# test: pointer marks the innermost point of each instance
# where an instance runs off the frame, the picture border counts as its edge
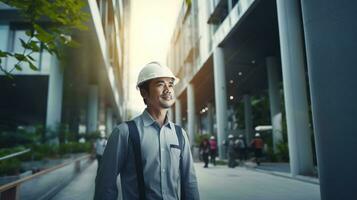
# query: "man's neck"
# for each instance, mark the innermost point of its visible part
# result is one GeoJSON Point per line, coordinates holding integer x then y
{"type": "Point", "coordinates": [158, 115]}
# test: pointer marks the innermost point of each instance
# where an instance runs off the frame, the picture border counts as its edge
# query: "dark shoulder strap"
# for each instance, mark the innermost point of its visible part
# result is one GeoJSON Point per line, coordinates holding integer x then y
{"type": "Point", "coordinates": [135, 141]}
{"type": "Point", "coordinates": [181, 141]}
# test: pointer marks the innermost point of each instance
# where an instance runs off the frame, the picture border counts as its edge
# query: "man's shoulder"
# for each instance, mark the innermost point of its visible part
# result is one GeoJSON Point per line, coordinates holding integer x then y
{"type": "Point", "coordinates": [121, 129]}
{"type": "Point", "coordinates": [174, 125]}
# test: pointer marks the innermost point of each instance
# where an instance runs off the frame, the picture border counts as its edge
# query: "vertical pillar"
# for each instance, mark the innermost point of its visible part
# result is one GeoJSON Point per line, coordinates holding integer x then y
{"type": "Point", "coordinates": [293, 67]}
{"type": "Point", "coordinates": [109, 121]}
{"type": "Point", "coordinates": [331, 45]}
{"type": "Point", "coordinates": [220, 97]}
{"type": "Point", "coordinates": [92, 111]}
{"type": "Point", "coordinates": [178, 118]}
{"type": "Point", "coordinates": [4, 34]}
{"type": "Point", "coordinates": [54, 98]}
{"type": "Point", "coordinates": [274, 100]}
{"type": "Point", "coordinates": [210, 118]}
{"type": "Point", "coordinates": [191, 115]}
{"type": "Point", "coordinates": [230, 6]}
{"type": "Point", "coordinates": [248, 118]}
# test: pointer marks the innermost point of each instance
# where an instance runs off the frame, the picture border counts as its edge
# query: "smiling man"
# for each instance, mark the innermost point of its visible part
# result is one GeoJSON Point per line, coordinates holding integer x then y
{"type": "Point", "coordinates": [151, 154]}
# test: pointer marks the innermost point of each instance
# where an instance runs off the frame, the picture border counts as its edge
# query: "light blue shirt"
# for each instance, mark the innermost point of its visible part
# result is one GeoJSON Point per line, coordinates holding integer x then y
{"type": "Point", "coordinates": [160, 159]}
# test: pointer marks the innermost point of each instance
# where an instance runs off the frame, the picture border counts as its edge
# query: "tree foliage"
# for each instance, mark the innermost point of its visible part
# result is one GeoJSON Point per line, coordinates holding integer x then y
{"type": "Point", "coordinates": [50, 26]}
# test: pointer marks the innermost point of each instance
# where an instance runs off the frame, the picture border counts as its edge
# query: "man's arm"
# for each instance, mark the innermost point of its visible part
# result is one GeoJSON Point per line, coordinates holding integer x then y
{"type": "Point", "coordinates": [189, 174]}
{"type": "Point", "coordinates": [113, 161]}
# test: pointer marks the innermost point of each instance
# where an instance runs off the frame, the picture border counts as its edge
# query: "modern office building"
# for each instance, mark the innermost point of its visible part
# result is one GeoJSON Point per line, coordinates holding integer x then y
{"type": "Point", "coordinates": [85, 90]}
{"type": "Point", "coordinates": [226, 51]}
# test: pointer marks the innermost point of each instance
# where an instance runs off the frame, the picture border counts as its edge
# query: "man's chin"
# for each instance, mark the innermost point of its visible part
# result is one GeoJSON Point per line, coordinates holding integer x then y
{"type": "Point", "coordinates": [167, 104]}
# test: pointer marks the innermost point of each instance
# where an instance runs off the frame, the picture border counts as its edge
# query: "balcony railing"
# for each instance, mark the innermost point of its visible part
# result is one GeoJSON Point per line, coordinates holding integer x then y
{"type": "Point", "coordinates": [219, 11]}
{"type": "Point", "coordinates": [11, 191]}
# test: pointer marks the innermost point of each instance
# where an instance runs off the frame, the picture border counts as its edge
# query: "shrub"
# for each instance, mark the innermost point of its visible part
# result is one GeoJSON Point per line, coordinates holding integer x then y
{"type": "Point", "coordinates": [74, 147]}
{"type": "Point", "coordinates": [283, 151]}
{"type": "Point", "coordinates": [9, 167]}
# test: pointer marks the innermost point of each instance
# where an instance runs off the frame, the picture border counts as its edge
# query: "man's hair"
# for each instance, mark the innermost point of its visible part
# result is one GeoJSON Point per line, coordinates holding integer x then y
{"type": "Point", "coordinates": [145, 86]}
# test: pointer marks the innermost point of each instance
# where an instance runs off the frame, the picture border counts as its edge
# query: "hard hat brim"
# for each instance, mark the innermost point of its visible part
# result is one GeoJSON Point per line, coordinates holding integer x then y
{"type": "Point", "coordinates": [176, 80]}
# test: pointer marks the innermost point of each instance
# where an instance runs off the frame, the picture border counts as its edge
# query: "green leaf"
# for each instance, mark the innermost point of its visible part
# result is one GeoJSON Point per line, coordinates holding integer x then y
{"type": "Point", "coordinates": [24, 44]}
{"type": "Point", "coordinates": [20, 57]}
{"type": "Point", "coordinates": [73, 44]}
{"type": "Point", "coordinates": [32, 66]}
{"type": "Point", "coordinates": [18, 67]}
{"type": "Point", "coordinates": [34, 46]}
{"type": "Point", "coordinates": [3, 54]}
{"type": "Point", "coordinates": [42, 35]}
{"type": "Point", "coordinates": [29, 33]}
{"type": "Point", "coordinates": [31, 58]}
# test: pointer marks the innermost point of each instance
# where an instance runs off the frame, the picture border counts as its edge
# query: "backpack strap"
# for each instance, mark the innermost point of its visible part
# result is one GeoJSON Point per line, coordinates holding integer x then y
{"type": "Point", "coordinates": [135, 141]}
{"type": "Point", "coordinates": [181, 145]}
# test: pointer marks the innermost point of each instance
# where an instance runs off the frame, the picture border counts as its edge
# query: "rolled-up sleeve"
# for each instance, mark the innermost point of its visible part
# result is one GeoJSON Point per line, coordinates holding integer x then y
{"type": "Point", "coordinates": [189, 174]}
{"type": "Point", "coordinates": [112, 163]}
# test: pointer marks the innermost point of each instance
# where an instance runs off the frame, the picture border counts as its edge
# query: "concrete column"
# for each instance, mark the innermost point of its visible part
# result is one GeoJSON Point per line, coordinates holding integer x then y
{"type": "Point", "coordinates": [178, 118]}
{"type": "Point", "coordinates": [220, 97]}
{"type": "Point", "coordinates": [191, 115]}
{"type": "Point", "coordinates": [92, 111]}
{"type": "Point", "coordinates": [109, 121]}
{"type": "Point", "coordinates": [55, 94]}
{"type": "Point", "coordinates": [4, 34]}
{"type": "Point", "coordinates": [331, 45]}
{"type": "Point", "coordinates": [274, 100]}
{"type": "Point", "coordinates": [210, 118]}
{"type": "Point", "coordinates": [229, 2]}
{"type": "Point", "coordinates": [248, 118]}
{"type": "Point", "coordinates": [293, 67]}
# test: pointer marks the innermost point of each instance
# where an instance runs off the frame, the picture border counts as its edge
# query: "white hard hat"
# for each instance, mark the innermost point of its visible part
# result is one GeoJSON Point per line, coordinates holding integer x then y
{"type": "Point", "coordinates": [257, 135]}
{"type": "Point", "coordinates": [212, 138]}
{"type": "Point", "coordinates": [155, 70]}
{"type": "Point", "coordinates": [230, 136]}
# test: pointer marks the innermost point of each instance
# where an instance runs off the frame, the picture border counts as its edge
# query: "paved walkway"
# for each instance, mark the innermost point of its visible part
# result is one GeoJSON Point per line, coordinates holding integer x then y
{"type": "Point", "coordinates": [241, 183]}
{"type": "Point", "coordinates": [216, 183]}
{"type": "Point", "coordinates": [81, 187]}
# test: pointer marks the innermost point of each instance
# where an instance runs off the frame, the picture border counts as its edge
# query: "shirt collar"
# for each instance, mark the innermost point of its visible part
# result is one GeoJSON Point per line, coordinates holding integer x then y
{"type": "Point", "coordinates": [148, 120]}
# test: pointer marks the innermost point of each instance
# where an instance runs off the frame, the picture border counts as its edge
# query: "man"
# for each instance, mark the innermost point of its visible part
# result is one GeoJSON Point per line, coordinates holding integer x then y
{"type": "Point", "coordinates": [164, 165]}
{"type": "Point", "coordinates": [258, 144]}
{"type": "Point", "coordinates": [100, 144]}
{"type": "Point", "coordinates": [242, 148]}
{"type": "Point", "coordinates": [213, 146]}
{"type": "Point", "coordinates": [231, 152]}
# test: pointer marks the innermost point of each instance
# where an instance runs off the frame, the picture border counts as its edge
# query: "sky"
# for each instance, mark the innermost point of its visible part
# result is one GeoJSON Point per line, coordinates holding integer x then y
{"type": "Point", "coordinates": [152, 25]}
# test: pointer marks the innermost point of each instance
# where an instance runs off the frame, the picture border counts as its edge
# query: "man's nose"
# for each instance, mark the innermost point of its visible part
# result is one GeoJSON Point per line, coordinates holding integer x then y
{"type": "Point", "coordinates": [166, 89]}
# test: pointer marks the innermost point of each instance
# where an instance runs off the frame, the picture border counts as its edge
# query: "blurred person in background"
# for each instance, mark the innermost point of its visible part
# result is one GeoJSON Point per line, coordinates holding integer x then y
{"type": "Point", "coordinates": [257, 144]}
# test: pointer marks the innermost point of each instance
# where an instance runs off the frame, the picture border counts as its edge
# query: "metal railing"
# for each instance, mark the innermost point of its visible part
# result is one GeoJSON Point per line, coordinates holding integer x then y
{"type": "Point", "coordinates": [15, 154]}
{"type": "Point", "coordinates": [10, 191]}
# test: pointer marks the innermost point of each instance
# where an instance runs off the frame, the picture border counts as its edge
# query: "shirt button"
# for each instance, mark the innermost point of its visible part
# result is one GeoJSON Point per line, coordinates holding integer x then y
{"type": "Point", "coordinates": [163, 170]}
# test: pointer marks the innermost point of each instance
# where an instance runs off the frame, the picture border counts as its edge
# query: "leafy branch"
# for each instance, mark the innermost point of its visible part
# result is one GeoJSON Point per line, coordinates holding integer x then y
{"type": "Point", "coordinates": [51, 24]}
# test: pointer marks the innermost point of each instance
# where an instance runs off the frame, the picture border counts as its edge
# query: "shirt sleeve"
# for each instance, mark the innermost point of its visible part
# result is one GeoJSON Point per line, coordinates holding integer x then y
{"type": "Point", "coordinates": [189, 174]}
{"type": "Point", "coordinates": [112, 163]}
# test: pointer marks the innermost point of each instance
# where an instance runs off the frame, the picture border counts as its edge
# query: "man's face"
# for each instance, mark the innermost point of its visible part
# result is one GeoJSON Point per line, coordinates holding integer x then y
{"type": "Point", "coordinates": [161, 93]}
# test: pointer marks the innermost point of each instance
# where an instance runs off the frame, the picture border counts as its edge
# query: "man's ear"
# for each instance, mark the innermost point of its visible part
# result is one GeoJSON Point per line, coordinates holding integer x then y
{"type": "Point", "coordinates": [144, 93]}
